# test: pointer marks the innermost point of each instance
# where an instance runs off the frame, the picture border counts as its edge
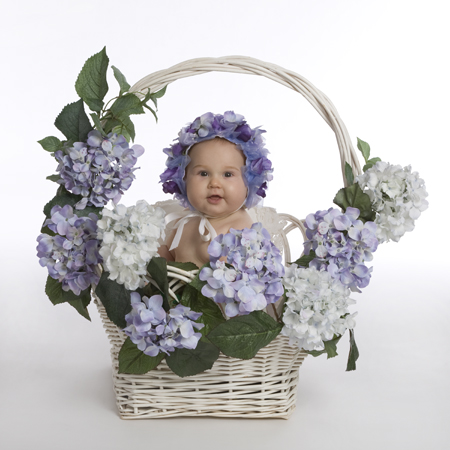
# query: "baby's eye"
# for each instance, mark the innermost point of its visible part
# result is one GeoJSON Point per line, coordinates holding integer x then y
{"type": "Point", "coordinates": [228, 174]}
{"type": "Point", "coordinates": [203, 173]}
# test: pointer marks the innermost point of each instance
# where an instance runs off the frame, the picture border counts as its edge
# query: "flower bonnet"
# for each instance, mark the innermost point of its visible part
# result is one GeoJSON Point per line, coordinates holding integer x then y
{"type": "Point", "coordinates": [232, 127]}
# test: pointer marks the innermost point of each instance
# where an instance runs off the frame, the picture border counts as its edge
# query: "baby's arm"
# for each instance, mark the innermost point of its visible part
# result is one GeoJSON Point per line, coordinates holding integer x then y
{"type": "Point", "coordinates": [164, 251]}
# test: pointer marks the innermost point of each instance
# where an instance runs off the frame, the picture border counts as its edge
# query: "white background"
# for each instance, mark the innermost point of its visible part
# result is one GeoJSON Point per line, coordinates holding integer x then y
{"type": "Point", "coordinates": [384, 65]}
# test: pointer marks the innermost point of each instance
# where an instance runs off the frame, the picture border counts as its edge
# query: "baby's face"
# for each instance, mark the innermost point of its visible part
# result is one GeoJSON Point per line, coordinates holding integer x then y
{"type": "Point", "coordinates": [214, 181]}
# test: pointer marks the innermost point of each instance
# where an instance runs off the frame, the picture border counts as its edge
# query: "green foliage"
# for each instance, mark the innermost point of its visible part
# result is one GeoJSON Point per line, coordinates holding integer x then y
{"type": "Point", "coordinates": [243, 336]}
{"type": "Point", "coordinates": [73, 122]}
{"type": "Point", "coordinates": [364, 147]}
{"type": "Point", "coordinates": [115, 298]}
{"type": "Point", "coordinates": [371, 162]}
{"type": "Point", "coordinates": [56, 294]}
{"type": "Point", "coordinates": [349, 174]}
{"type": "Point", "coordinates": [91, 84]}
{"type": "Point", "coordinates": [153, 97]}
{"type": "Point", "coordinates": [55, 178]}
{"type": "Point", "coordinates": [125, 127]}
{"type": "Point", "coordinates": [126, 105]}
{"type": "Point", "coordinates": [80, 305]}
{"type": "Point", "coordinates": [306, 259]}
{"type": "Point", "coordinates": [354, 196]}
{"type": "Point", "coordinates": [132, 360]}
{"type": "Point", "coordinates": [330, 348]}
{"type": "Point", "coordinates": [120, 77]}
{"type": "Point", "coordinates": [157, 268]}
{"type": "Point", "coordinates": [353, 354]}
{"type": "Point", "coordinates": [187, 266]}
{"type": "Point", "coordinates": [184, 362]}
{"type": "Point", "coordinates": [51, 144]}
{"type": "Point", "coordinates": [97, 123]}
{"type": "Point", "coordinates": [212, 315]}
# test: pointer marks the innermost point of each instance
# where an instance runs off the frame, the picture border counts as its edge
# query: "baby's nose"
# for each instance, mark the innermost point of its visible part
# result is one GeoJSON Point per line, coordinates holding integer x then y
{"type": "Point", "coordinates": [214, 181]}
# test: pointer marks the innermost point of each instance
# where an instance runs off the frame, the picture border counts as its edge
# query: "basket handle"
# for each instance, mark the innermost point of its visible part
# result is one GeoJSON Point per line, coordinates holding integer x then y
{"type": "Point", "coordinates": [251, 66]}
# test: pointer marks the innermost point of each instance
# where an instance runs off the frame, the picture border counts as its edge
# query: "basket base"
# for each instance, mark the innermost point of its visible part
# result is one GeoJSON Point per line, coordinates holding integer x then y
{"type": "Point", "coordinates": [262, 387]}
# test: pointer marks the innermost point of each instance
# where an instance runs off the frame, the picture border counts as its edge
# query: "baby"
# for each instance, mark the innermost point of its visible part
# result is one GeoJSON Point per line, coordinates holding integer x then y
{"type": "Point", "coordinates": [217, 168]}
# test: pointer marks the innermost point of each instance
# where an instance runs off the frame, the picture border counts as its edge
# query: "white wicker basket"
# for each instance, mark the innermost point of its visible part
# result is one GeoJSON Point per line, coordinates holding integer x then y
{"type": "Point", "coordinates": [262, 387]}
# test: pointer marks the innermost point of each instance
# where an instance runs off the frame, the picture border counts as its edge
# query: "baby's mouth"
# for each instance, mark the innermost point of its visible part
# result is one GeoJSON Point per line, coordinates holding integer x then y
{"type": "Point", "coordinates": [214, 199]}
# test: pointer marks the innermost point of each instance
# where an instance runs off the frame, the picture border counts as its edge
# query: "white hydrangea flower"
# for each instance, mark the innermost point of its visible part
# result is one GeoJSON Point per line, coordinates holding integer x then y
{"type": "Point", "coordinates": [129, 241]}
{"type": "Point", "coordinates": [314, 308]}
{"type": "Point", "coordinates": [398, 197]}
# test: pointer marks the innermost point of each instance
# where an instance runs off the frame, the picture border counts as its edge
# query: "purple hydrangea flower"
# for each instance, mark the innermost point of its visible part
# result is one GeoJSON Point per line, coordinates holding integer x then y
{"type": "Point", "coordinates": [251, 279]}
{"type": "Point", "coordinates": [154, 330]}
{"type": "Point", "coordinates": [100, 169]}
{"type": "Point", "coordinates": [232, 127]}
{"type": "Point", "coordinates": [342, 244]}
{"type": "Point", "coordinates": [71, 256]}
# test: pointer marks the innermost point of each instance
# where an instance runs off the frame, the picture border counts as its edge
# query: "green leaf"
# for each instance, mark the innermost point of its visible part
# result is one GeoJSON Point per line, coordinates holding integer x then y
{"type": "Point", "coordinates": [91, 84]}
{"type": "Point", "coordinates": [212, 315]}
{"type": "Point", "coordinates": [54, 178]}
{"type": "Point", "coordinates": [115, 298]}
{"type": "Point", "coordinates": [354, 196]}
{"type": "Point", "coordinates": [306, 259]}
{"type": "Point", "coordinates": [157, 95]}
{"type": "Point", "coordinates": [364, 147]}
{"type": "Point", "coordinates": [97, 123]}
{"type": "Point", "coordinates": [353, 354]}
{"type": "Point", "coordinates": [120, 77]}
{"type": "Point", "coordinates": [64, 197]}
{"type": "Point", "coordinates": [243, 336]}
{"type": "Point", "coordinates": [56, 294]}
{"type": "Point", "coordinates": [184, 362]}
{"type": "Point", "coordinates": [51, 143]}
{"type": "Point", "coordinates": [330, 348]}
{"type": "Point", "coordinates": [157, 268]}
{"type": "Point", "coordinates": [81, 306]}
{"type": "Point", "coordinates": [126, 105]}
{"type": "Point", "coordinates": [349, 174]}
{"type": "Point", "coordinates": [132, 360]}
{"type": "Point", "coordinates": [371, 163]}
{"type": "Point", "coordinates": [152, 111]}
{"type": "Point", "coordinates": [126, 128]}
{"type": "Point", "coordinates": [54, 291]}
{"type": "Point", "coordinates": [110, 124]}
{"type": "Point", "coordinates": [187, 266]}
{"type": "Point", "coordinates": [73, 122]}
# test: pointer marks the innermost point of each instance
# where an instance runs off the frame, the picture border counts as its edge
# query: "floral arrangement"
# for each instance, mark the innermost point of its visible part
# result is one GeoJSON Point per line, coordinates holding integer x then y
{"type": "Point", "coordinates": [254, 279]}
{"type": "Point", "coordinates": [87, 246]}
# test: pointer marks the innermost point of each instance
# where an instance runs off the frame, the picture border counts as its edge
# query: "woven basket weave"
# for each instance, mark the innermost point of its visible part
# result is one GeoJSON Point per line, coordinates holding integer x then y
{"type": "Point", "coordinates": [262, 387]}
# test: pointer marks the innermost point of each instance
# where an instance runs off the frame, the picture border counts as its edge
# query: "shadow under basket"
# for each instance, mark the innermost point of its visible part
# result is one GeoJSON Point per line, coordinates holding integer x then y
{"type": "Point", "coordinates": [262, 387]}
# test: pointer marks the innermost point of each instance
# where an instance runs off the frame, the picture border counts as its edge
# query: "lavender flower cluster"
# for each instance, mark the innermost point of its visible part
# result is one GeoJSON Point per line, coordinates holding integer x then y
{"type": "Point", "coordinates": [71, 256]}
{"type": "Point", "coordinates": [342, 244]}
{"type": "Point", "coordinates": [154, 330]}
{"type": "Point", "coordinates": [100, 169]}
{"type": "Point", "coordinates": [252, 278]}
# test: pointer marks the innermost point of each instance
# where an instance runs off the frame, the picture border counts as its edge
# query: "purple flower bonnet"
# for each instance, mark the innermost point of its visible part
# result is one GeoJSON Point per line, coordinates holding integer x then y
{"type": "Point", "coordinates": [232, 127]}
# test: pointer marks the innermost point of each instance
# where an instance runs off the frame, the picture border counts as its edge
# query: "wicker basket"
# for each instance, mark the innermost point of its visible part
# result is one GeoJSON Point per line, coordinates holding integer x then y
{"type": "Point", "coordinates": [265, 386]}
{"type": "Point", "coordinates": [262, 387]}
